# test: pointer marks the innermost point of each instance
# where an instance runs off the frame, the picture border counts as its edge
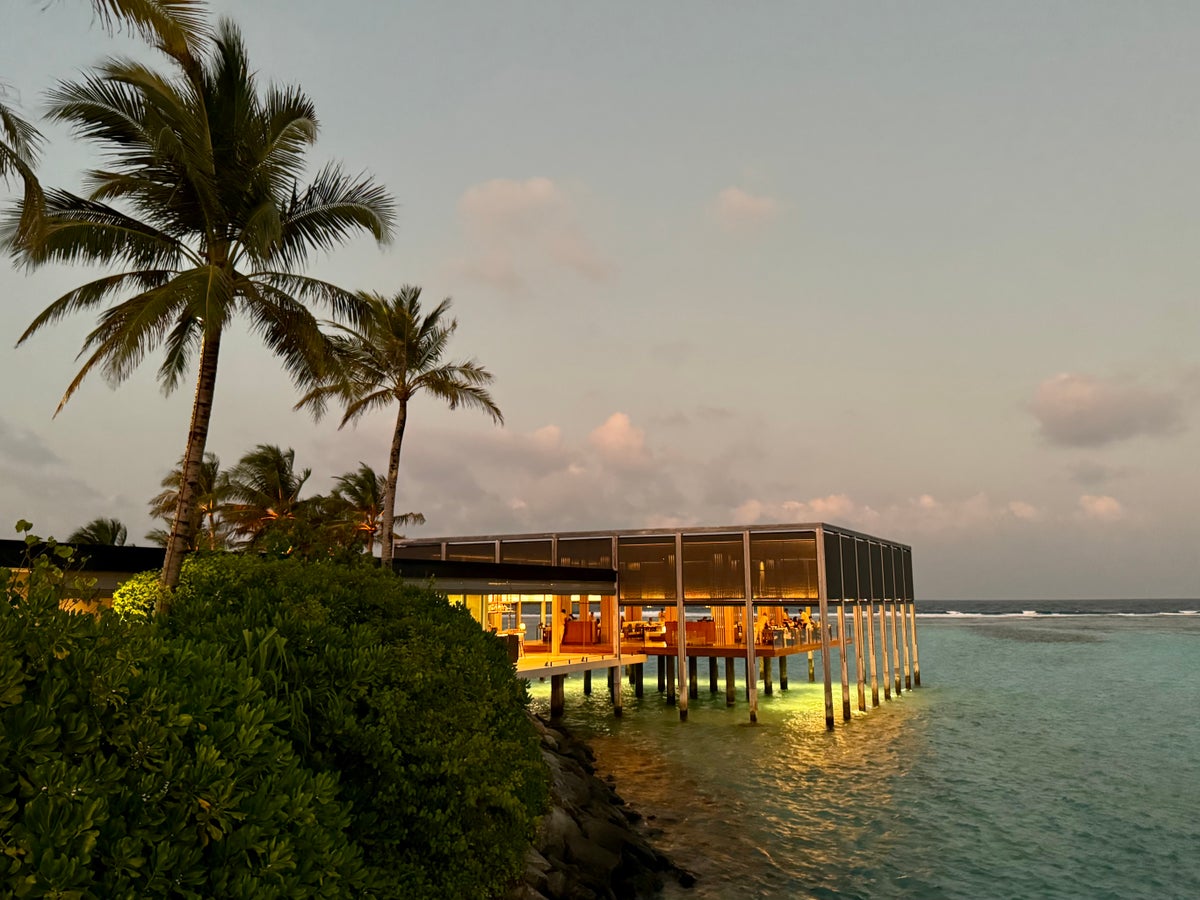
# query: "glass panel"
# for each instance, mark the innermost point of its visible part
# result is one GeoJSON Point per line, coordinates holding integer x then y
{"type": "Point", "coordinates": [850, 564]}
{"type": "Point", "coordinates": [866, 565]}
{"type": "Point", "coordinates": [784, 565]}
{"type": "Point", "coordinates": [712, 567]}
{"type": "Point", "coordinates": [481, 552]}
{"type": "Point", "coordinates": [833, 566]}
{"type": "Point", "coordinates": [536, 552]}
{"type": "Point", "coordinates": [590, 553]}
{"type": "Point", "coordinates": [419, 551]}
{"type": "Point", "coordinates": [646, 568]}
{"type": "Point", "coordinates": [908, 573]}
{"type": "Point", "coordinates": [881, 573]}
{"type": "Point", "coordinates": [893, 574]}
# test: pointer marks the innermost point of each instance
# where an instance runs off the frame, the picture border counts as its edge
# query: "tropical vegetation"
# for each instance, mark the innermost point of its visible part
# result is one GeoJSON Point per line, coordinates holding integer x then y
{"type": "Point", "coordinates": [393, 353]}
{"type": "Point", "coordinates": [107, 531]}
{"type": "Point", "coordinates": [202, 217]}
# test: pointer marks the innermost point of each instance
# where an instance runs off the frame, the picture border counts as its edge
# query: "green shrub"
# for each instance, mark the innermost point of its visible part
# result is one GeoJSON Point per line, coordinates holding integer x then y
{"type": "Point", "coordinates": [136, 598]}
{"type": "Point", "coordinates": [401, 694]}
{"type": "Point", "coordinates": [139, 764]}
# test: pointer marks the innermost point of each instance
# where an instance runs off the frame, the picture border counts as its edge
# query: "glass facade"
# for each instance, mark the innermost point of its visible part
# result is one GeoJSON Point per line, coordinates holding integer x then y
{"type": "Point", "coordinates": [713, 567]}
{"type": "Point", "coordinates": [784, 565]}
{"type": "Point", "coordinates": [484, 551]}
{"type": "Point", "coordinates": [535, 552]}
{"type": "Point", "coordinates": [419, 551]}
{"type": "Point", "coordinates": [590, 553]}
{"type": "Point", "coordinates": [833, 566]}
{"type": "Point", "coordinates": [646, 568]}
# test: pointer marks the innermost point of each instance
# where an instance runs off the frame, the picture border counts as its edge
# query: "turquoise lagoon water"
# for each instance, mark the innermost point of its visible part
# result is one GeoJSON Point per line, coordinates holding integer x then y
{"type": "Point", "coordinates": [1045, 756]}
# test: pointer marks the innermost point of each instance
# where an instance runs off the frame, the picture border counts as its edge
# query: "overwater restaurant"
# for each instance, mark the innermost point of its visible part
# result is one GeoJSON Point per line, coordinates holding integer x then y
{"type": "Point", "coordinates": [752, 598]}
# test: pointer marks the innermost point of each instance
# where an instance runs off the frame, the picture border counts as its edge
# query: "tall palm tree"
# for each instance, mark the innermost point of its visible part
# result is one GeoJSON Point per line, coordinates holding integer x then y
{"type": "Point", "coordinates": [203, 218]}
{"type": "Point", "coordinates": [359, 498]}
{"type": "Point", "coordinates": [264, 489]}
{"type": "Point", "coordinates": [20, 145]}
{"type": "Point", "coordinates": [208, 529]}
{"type": "Point", "coordinates": [110, 532]}
{"type": "Point", "coordinates": [390, 355]}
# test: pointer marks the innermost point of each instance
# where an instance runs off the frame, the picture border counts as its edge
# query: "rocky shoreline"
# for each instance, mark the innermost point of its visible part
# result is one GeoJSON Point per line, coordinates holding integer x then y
{"type": "Point", "coordinates": [591, 845]}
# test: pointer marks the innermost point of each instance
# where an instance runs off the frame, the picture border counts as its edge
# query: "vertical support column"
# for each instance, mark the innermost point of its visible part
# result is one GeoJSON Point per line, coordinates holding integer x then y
{"type": "Point", "coordinates": [912, 631]}
{"type": "Point", "coordinates": [783, 673]}
{"type": "Point", "coordinates": [668, 665]}
{"type": "Point", "coordinates": [768, 688]}
{"type": "Point", "coordinates": [713, 681]}
{"type": "Point", "coordinates": [639, 683]}
{"type": "Point", "coordinates": [895, 654]}
{"type": "Point", "coordinates": [557, 695]}
{"type": "Point", "coordinates": [885, 665]}
{"type": "Point", "coordinates": [693, 678]}
{"type": "Point", "coordinates": [617, 684]}
{"type": "Point", "coordinates": [660, 663]}
{"type": "Point", "coordinates": [587, 683]}
{"type": "Point", "coordinates": [860, 675]}
{"type": "Point", "coordinates": [823, 598]}
{"type": "Point", "coordinates": [730, 681]}
{"type": "Point", "coordinates": [842, 657]}
{"type": "Point", "coordinates": [681, 630]}
{"type": "Point", "coordinates": [812, 668]}
{"type": "Point", "coordinates": [748, 630]}
{"type": "Point", "coordinates": [870, 623]}
{"type": "Point", "coordinates": [904, 640]}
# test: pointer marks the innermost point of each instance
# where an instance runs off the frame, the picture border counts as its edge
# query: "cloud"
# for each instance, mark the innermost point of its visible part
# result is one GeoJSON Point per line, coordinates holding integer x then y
{"type": "Point", "coordinates": [1101, 508]}
{"type": "Point", "coordinates": [518, 229]}
{"type": "Point", "coordinates": [735, 209]}
{"type": "Point", "coordinates": [1090, 473]}
{"type": "Point", "coordinates": [33, 478]}
{"type": "Point", "coordinates": [619, 441]}
{"type": "Point", "coordinates": [1077, 410]}
{"type": "Point", "coordinates": [1024, 511]}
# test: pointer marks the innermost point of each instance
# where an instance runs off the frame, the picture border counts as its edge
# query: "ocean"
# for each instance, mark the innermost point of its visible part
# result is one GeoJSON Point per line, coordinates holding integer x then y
{"type": "Point", "coordinates": [1053, 751]}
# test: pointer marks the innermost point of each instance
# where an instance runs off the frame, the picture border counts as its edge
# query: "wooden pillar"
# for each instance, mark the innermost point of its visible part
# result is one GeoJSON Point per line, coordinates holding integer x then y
{"type": "Point", "coordinates": [669, 665]}
{"type": "Point", "coordinates": [730, 681]}
{"type": "Point", "coordinates": [885, 667]}
{"type": "Point", "coordinates": [639, 687]}
{"type": "Point", "coordinates": [903, 610]}
{"type": "Point", "coordinates": [895, 653]}
{"type": "Point", "coordinates": [681, 631]}
{"type": "Point", "coordinates": [824, 614]}
{"type": "Point", "coordinates": [693, 678]}
{"type": "Point", "coordinates": [768, 688]}
{"type": "Point", "coordinates": [557, 695]}
{"type": "Point", "coordinates": [661, 663]}
{"type": "Point", "coordinates": [844, 662]}
{"type": "Point", "coordinates": [783, 673]}
{"type": "Point", "coordinates": [859, 662]}
{"type": "Point", "coordinates": [870, 623]}
{"type": "Point", "coordinates": [587, 683]}
{"type": "Point", "coordinates": [714, 681]}
{"type": "Point", "coordinates": [912, 632]}
{"type": "Point", "coordinates": [748, 630]}
{"type": "Point", "coordinates": [615, 682]}
{"type": "Point", "coordinates": [812, 669]}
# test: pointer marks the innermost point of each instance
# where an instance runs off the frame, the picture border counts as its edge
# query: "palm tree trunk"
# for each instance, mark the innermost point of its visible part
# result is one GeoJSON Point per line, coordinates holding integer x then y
{"type": "Point", "coordinates": [189, 487]}
{"type": "Point", "coordinates": [389, 495]}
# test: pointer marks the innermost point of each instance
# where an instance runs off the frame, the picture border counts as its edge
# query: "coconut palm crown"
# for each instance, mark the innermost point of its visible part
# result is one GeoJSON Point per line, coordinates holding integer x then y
{"type": "Point", "coordinates": [359, 501]}
{"type": "Point", "coordinates": [201, 218]}
{"type": "Point", "coordinates": [393, 353]}
{"type": "Point", "coordinates": [109, 532]}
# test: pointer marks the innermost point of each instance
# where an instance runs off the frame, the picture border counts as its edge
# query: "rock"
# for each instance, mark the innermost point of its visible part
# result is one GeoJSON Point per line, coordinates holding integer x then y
{"type": "Point", "coordinates": [590, 844]}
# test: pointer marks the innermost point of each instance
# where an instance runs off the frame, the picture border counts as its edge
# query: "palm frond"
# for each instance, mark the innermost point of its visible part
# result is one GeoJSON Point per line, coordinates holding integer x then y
{"type": "Point", "coordinates": [325, 213]}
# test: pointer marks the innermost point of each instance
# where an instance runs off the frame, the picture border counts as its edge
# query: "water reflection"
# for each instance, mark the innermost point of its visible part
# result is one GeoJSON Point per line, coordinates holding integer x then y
{"type": "Point", "coordinates": [754, 810]}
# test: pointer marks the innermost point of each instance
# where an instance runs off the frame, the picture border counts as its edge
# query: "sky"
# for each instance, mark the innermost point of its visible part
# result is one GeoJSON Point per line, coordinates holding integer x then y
{"type": "Point", "coordinates": [928, 271]}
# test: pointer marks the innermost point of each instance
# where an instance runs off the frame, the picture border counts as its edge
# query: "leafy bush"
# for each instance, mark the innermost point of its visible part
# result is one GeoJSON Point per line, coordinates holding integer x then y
{"type": "Point", "coordinates": [136, 599]}
{"type": "Point", "coordinates": [402, 695]}
{"type": "Point", "coordinates": [137, 764]}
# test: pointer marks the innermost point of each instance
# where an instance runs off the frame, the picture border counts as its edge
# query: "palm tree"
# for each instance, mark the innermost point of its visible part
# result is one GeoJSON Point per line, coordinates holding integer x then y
{"type": "Point", "coordinates": [202, 217]}
{"type": "Point", "coordinates": [393, 354]}
{"type": "Point", "coordinates": [359, 498]}
{"type": "Point", "coordinates": [264, 489]}
{"type": "Point", "coordinates": [208, 529]}
{"type": "Point", "coordinates": [110, 532]}
{"type": "Point", "coordinates": [20, 145]}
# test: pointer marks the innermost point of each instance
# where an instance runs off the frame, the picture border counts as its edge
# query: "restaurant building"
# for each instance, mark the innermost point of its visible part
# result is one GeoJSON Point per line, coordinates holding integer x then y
{"type": "Point", "coordinates": [748, 597]}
